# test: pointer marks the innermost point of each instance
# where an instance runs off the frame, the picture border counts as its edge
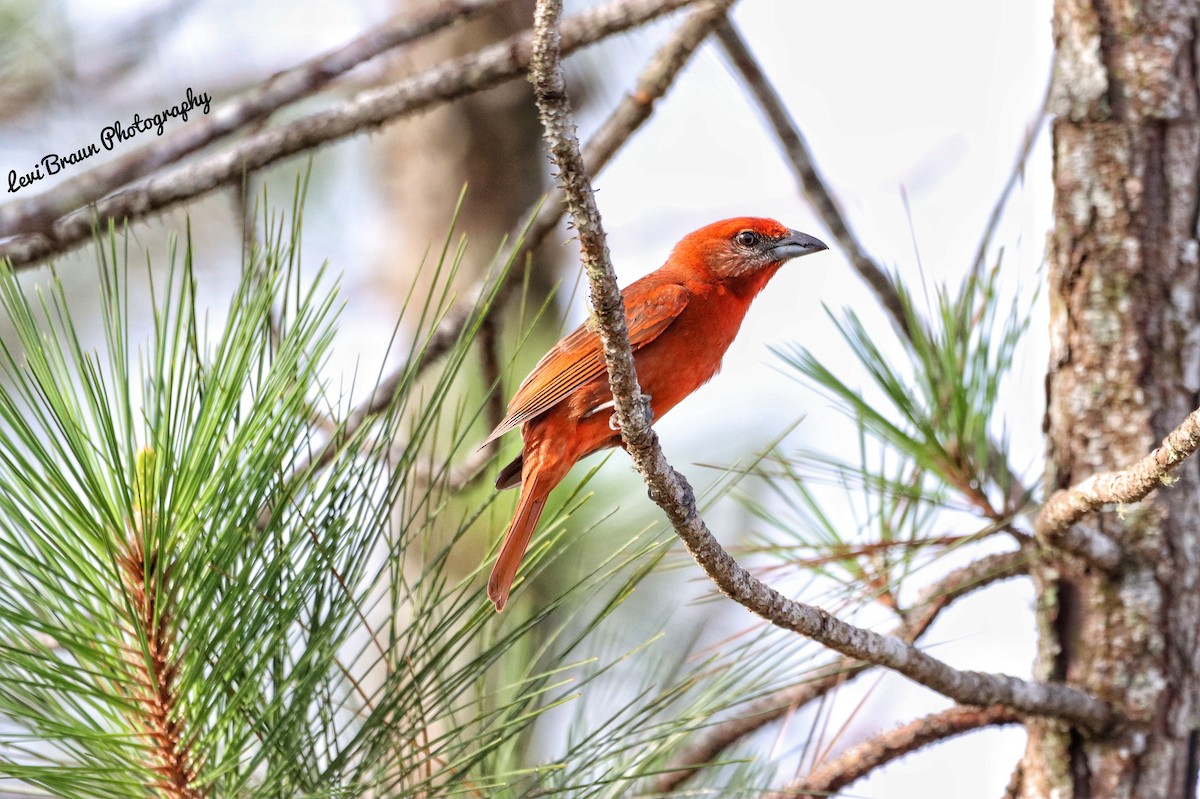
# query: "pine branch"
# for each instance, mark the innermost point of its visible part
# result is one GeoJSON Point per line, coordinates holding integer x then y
{"type": "Point", "coordinates": [36, 214]}
{"type": "Point", "coordinates": [859, 761]}
{"type": "Point", "coordinates": [448, 81]}
{"type": "Point", "coordinates": [709, 745]}
{"type": "Point", "coordinates": [154, 666]}
{"type": "Point", "coordinates": [1056, 522]}
{"type": "Point", "coordinates": [671, 491]}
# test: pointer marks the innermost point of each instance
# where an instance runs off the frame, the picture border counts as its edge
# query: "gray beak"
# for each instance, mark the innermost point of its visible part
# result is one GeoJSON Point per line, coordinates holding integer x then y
{"type": "Point", "coordinates": [796, 244]}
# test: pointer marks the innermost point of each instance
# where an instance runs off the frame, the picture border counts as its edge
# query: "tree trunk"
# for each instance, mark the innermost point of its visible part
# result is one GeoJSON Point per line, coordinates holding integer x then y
{"type": "Point", "coordinates": [490, 141]}
{"type": "Point", "coordinates": [1124, 371]}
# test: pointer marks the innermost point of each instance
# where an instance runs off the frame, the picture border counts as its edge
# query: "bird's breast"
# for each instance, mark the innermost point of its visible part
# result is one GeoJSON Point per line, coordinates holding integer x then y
{"type": "Point", "coordinates": [688, 354]}
{"type": "Point", "coordinates": [682, 358]}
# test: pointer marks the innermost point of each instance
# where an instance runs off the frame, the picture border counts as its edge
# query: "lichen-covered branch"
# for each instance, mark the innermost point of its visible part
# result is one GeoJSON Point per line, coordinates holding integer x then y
{"type": "Point", "coordinates": [859, 761]}
{"type": "Point", "coordinates": [671, 491]}
{"type": "Point", "coordinates": [35, 214]}
{"type": "Point", "coordinates": [1064, 508]}
{"type": "Point", "coordinates": [554, 110]}
{"type": "Point", "coordinates": [709, 744]}
{"type": "Point", "coordinates": [471, 73]}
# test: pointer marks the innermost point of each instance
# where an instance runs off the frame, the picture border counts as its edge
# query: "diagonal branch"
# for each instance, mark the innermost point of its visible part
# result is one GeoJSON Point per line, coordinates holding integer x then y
{"type": "Point", "coordinates": [714, 740]}
{"type": "Point", "coordinates": [36, 213]}
{"type": "Point", "coordinates": [812, 185]}
{"type": "Point", "coordinates": [1066, 507]}
{"type": "Point", "coordinates": [671, 491]}
{"type": "Point", "coordinates": [448, 81]}
{"type": "Point", "coordinates": [859, 761]}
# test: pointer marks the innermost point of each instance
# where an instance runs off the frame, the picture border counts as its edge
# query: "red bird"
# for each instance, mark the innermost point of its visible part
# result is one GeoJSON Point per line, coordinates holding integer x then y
{"type": "Point", "coordinates": [681, 320]}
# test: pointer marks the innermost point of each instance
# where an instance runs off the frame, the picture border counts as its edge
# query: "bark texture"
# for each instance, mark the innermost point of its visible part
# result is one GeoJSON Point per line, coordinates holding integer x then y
{"type": "Point", "coordinates": [1124, 371]}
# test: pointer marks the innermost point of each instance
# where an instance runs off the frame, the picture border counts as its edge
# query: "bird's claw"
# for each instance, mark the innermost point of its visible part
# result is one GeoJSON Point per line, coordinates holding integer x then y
{"type": "Point", "coordinates": [615, 426]}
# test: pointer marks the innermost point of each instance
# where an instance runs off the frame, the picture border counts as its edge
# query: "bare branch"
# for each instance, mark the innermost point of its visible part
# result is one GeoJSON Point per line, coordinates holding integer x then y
{"type": "Point", "coordinates": [933, 600]}
{"type": "Point", "coordinates": [1066, 507]}
{"type": "Point", "coordinates": [35, 214]}
{"type": "Point", "coordinates": [812, 185]}
{"type": "Point", "coordinates": [448, 81]}
{"type": "Point", "coordinates": [554, 109]}
{"type": "Point", "coordinates": [859, 761]}
{"type": "Point", "coordinates": [671, 491]}
{"type": "Point", "coordinates": [1018, 169]}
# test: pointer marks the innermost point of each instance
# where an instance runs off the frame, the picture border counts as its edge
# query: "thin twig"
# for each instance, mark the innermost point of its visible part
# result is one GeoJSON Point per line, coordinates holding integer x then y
{"type": "Point", "coordinates": [35, 214]}
{"type": "Point", "coordinates": [855, 763]}
{"type": "Point", "coordinates": [1066, 507]}
{"type": "Point", "coordinates": [671, 491]}
{"type": "Point", "coordinates": [450, 80]}
{"type": "Point", "coordinates": [812, 185]}
{"type": "Point", "coordinates": [466, 473]}
{"type": "Point", "coordinates": [489, 364]}
{"type": "Point", "coordinates": [1014, 175]}
{"type": "Point", "coordinates": [708, 746]}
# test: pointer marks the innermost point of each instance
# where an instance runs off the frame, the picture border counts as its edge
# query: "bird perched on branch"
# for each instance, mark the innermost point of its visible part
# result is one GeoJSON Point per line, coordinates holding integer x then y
{"type": "Point", "coordinates": [681, 320]}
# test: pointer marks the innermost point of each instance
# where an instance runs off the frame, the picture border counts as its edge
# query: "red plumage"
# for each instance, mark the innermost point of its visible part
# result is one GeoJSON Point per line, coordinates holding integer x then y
{"type": "Point", "coordinates": [682, 318]}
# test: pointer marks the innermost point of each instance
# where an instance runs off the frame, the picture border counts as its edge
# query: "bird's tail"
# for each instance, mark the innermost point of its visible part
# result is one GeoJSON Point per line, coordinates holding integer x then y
{"type": "Point", "coordinates": [529, 509]}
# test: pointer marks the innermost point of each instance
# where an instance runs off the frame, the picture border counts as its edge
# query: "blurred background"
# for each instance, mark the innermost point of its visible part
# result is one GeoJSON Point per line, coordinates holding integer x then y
{"type": "Point", "coordinates": [915, 113]}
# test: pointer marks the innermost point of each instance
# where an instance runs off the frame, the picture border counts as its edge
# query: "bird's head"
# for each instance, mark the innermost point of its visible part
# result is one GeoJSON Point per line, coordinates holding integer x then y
{"type": "Point", "coordinates": [743, 246]}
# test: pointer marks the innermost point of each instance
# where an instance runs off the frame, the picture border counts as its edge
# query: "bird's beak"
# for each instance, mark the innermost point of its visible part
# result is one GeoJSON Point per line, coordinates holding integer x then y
{"type": "Point", "coordinates": [795, 244]}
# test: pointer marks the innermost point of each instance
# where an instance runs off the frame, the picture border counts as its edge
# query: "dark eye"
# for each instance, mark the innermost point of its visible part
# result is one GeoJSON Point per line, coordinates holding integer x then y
{"type": "Point", "coordinates": [747, 238]}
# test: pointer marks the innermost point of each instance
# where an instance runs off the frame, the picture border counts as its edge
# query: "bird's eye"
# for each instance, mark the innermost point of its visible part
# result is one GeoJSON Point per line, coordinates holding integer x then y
{"type": "Point", "coordinates": [747, 238]}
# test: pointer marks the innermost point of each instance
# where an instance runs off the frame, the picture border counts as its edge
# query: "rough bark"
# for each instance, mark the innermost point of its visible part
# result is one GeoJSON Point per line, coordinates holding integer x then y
{"type": "Point", "coordinates": [1124, 371]}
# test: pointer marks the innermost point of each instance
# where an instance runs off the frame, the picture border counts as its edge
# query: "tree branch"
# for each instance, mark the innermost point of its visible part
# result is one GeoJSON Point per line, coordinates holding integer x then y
{"type": "Point", "coordinates": [933, 600]}
{"type": "Point", "coordinates": [35, 214]}
{"type": "Point", "coordinates": [554, 109]}
{"type": "Point", "coordinates": [859, 761]}
{"type": "Point", "coordinates": [671, 491]}
{"type": "Point", "coordinates": [1066, 507]}
{"type": "Point", "coordinates": [812, 185]}
{"type": "Point", "coordinates": [448, 81]}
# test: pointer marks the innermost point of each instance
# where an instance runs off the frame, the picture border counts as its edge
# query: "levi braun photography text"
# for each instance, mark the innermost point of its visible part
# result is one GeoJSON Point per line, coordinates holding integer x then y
{"type": "Point", "coordinates": [110, 136]}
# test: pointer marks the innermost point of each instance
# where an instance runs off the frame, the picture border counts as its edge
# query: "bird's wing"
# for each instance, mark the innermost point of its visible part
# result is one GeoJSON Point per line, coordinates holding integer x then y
{"type": "Point", "coordinates": [579, 358]}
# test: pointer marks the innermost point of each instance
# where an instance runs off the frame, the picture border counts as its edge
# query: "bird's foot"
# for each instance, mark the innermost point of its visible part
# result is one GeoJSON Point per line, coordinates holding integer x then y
{"type": "Point", "coordinates": [615, 426]}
